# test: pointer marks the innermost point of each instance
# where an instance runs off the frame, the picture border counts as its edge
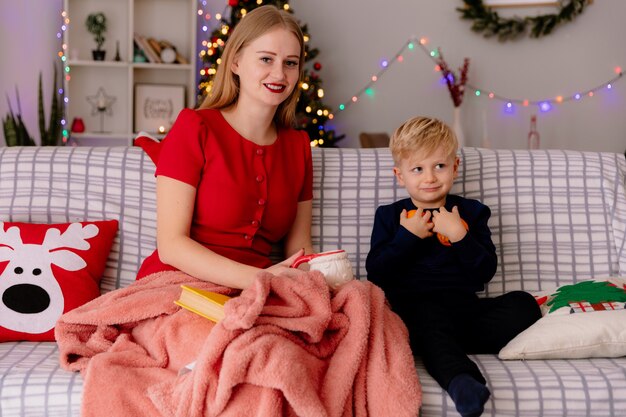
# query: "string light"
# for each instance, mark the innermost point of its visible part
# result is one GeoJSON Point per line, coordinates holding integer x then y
{"type": "Point", "coordinates": [65, 21]}
{"type": "Point", "coordinates": [509, 103]}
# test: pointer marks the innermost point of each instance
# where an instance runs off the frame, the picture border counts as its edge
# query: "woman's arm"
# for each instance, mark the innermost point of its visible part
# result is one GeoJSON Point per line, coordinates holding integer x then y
{"type": "Point", "coordinates": [175, 206]}
{"type": "Point", "coordinates": [299, 236]}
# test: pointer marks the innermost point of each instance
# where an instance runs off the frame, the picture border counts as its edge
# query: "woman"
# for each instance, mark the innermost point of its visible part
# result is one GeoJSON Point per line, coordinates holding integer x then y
{"type": "Point", "coordinates": [233, 177]}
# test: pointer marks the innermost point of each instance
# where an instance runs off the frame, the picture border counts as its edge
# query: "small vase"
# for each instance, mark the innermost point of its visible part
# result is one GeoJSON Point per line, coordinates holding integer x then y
{"type": "Point", "coordinates": [98, 55]}
{"type": "Point", "coordinates": [457, 126]}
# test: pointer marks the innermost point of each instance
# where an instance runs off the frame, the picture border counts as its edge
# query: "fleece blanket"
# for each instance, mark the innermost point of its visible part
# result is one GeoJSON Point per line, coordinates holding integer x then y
{"type": "Point", "coordinates": [287, 347]}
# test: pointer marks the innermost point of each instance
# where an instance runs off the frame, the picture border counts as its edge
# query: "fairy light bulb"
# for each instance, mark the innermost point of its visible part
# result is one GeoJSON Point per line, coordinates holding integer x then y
{"type": "Point", "coordinates": [577, 96]}
{"type": "Point", "coordinates": [609, 86]}
{"type": "Point", "coordinates": [525, 103]}
{"type": "Point", "coordinates": [374, 78]}
{"type": "Point", "coordinates": [384, 63]}
{"type": "Point", "coordinates": [618, 70]}
{"type": "Point", "coordinates": [559, 99]}
{"type": "Point", "coordinates": [354, 99]}
{"type": "Point", "coordinates": [477, 93]}
{"type": "Point", "coordinates": [342, 107]}
{"type": "Point", "coordinates": [320, 93]}
{"type": "Point", "coordinates": [305, 86]}
{"type": "Point", "coordinates": [545, 106]}
{"type": "Point", "coordinates": [411, 46]}
{"type": "Point", "coordinates": [423, 41]}
{"type": "Point", "coordinates": [369, 92]}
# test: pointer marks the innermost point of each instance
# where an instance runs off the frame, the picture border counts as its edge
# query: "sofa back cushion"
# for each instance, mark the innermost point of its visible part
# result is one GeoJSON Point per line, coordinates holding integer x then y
{"type": "Point", "coordinates": [70, 184]}
{"type": "Point", "coordinates": [557, 216]}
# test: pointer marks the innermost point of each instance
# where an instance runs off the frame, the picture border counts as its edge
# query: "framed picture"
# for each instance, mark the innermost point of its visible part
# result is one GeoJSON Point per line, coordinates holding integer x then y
{"type": "Point", "coordinates": [156, 106]}
{"type": "Point", "coordinates": [519, 3]}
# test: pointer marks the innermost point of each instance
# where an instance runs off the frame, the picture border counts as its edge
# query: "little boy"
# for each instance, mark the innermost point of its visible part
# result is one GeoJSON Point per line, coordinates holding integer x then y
{"type": "Point", "coordinates": [431, 253]}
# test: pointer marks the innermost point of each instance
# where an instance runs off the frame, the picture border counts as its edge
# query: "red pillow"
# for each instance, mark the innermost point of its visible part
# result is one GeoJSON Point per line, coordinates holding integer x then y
{"type": "Point", "coordinates": [47, 270]}
{"type": "Point", "coordinates": [150, 145]}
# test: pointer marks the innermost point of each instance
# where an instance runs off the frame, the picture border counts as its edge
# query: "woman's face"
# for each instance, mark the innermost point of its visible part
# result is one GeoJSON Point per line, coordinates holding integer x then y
{"type": "Point", "coordinates": [269, 67]}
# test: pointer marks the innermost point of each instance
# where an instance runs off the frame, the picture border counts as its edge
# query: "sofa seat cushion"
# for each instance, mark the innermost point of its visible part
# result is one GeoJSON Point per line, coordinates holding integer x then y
{"type": "Point", "coordinates": [32, 382]}
{"type": "Point", "coordinates": [555, 388]}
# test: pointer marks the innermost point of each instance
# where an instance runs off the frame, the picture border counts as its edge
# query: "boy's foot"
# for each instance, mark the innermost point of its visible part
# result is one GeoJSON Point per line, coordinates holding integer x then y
{"type": "Point", "coordinates": [468, 394]}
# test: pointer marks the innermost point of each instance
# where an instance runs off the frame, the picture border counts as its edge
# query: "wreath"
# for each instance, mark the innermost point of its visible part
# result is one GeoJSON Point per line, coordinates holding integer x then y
{"type": "Point", "coordinates": [490, 23]}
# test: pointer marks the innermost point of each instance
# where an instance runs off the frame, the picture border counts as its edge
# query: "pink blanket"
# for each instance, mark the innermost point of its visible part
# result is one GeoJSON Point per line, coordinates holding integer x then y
{"type": "Point", "coordinates": [287, 347]}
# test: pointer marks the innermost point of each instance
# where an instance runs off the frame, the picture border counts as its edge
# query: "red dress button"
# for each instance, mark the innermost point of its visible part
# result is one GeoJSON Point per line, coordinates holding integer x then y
{"type": "Point", "coordinates": [259, 151]}
{"type": "Point", "coordinates": [247, 237]}
{"type": "Point", "coordinates": [255, 223]}
{"type": "Point", "coordinates": [259, 178]}
{"type": "Point", "coordinates": [261, 201]}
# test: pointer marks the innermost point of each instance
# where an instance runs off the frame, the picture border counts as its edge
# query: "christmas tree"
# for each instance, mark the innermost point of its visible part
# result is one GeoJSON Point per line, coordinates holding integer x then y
{"type": "Point", "coordinates": [311, 113]}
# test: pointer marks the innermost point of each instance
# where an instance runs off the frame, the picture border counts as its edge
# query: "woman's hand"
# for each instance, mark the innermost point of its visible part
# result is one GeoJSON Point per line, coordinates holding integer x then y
{"type": "Point", "coordinates": [284, 267]}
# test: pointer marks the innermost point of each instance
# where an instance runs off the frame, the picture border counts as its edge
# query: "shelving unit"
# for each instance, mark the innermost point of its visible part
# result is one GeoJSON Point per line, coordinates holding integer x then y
{"type": "Point", "coordinates": [171, 20]}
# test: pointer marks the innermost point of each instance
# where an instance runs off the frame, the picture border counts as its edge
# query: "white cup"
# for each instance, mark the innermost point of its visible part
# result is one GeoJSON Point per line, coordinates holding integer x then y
{"type": "Point", "coordinates": [334, 265]}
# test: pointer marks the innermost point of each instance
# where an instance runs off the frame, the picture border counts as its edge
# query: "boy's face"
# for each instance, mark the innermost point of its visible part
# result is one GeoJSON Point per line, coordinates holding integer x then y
{"type": "Point", "coordinates": [428, 178]}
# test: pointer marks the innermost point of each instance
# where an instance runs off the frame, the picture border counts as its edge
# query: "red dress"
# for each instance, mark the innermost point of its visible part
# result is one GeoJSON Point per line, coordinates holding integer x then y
{"type": "Point", "coordinates": [246, 194]}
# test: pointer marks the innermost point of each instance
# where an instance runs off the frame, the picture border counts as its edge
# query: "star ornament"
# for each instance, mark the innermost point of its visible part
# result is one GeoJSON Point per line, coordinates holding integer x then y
{"type": "Point", "coordinates": [101, 102]}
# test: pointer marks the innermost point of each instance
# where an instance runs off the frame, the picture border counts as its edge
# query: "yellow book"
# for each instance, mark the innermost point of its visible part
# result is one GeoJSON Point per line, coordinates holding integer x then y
{"type": "Point", "coordinates": [205, 303]}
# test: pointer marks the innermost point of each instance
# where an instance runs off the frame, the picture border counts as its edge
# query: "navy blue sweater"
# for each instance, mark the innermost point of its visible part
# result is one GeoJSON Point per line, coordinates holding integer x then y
{"type": "Point", "coordinates": [403, 264]}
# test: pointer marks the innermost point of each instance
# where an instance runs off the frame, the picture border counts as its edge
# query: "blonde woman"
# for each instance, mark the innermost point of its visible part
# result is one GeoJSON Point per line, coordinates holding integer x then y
{"type": "Point", "coordinates": [233, 176]}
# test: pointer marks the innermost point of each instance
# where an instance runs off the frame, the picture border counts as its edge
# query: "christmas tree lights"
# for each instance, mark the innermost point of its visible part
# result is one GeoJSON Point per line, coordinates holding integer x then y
{"type": "Point", "coordinates": [312, 115]}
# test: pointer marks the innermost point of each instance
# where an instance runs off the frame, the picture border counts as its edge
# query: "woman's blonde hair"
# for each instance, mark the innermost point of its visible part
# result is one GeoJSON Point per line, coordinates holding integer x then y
{"type": "Point", "coordinates": [424, 134]}
{"type": "Point", "coordinates": [255, 24]}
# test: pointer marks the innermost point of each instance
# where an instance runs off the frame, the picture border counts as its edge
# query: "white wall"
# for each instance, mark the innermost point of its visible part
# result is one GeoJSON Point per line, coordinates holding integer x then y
{"type": "Point", "coordinates": [28, 45]}
{"type": "Point", "coordinates": [353, 35]}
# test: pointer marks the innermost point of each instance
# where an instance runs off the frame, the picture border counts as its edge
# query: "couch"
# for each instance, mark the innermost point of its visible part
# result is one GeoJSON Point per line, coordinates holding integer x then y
{"type": "Point", "coordinates": [558, 217]}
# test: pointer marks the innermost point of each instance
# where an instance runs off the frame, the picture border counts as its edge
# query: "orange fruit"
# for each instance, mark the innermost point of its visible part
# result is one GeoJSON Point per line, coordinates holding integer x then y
{"type": "Point", "coordinates": [444, 239]}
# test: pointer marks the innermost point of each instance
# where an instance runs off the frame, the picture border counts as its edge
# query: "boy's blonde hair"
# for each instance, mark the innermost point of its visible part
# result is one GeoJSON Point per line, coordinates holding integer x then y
{"type": "Point", "coordinates": [255, 24]}
{"type": "Point", "coordinates": [425, 134]}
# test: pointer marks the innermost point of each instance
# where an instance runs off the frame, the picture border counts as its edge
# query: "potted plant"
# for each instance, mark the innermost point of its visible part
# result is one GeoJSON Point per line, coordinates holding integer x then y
{"type": "Point", "coordinates": [97, 25]}
{"type": "Point", "coordinates": [15, 131]}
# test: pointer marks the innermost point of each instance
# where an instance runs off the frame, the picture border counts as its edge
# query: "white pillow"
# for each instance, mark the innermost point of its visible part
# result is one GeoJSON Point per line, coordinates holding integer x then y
{"type": "Point", "coordinates": [576, 330]}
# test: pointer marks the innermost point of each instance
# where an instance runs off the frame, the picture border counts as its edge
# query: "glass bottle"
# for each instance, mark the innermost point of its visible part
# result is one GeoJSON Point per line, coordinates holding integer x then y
{"type": "Point", "coordinates": [533, 135]}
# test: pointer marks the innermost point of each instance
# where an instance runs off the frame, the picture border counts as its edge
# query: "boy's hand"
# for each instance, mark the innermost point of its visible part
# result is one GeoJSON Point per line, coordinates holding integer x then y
{"type": "Point", "coordinates": [419, 224]}
{"type": "Point", "coordinates": [449, 224]}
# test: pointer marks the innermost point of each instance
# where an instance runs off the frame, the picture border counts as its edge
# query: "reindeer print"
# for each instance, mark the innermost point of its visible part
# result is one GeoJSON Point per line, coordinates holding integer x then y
{"type": "Point", "coordinates": [31, 298]}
